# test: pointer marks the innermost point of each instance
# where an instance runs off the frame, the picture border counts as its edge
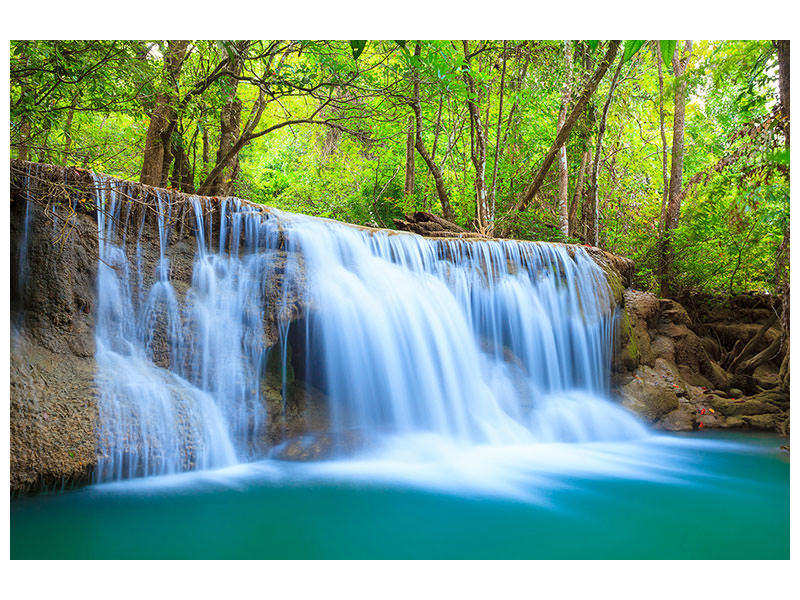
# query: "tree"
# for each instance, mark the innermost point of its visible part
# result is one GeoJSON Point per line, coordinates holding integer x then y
{"type": "Point", "coordinates": [157, 148]}
{"type": "Point", "coordinates": [563, 167]}
{"type": "Point", "coordinates": [593, 234]}
{"type": "Point", "coordinates": [416, 106]}
{"type": "Point", "coordinates": [478, 147]}
{"type": "Point", "coordinates": [680, 62]}
{"type": "Point", "coordinates": [563, 133]}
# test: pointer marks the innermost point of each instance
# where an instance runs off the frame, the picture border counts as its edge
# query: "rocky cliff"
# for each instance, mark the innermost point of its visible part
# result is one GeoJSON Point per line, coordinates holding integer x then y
{"type": "Point", "coordinates": [54, 254]}
{"type": "Point", "coordinates": [664, 370]}
{"type": "Point", "coordinates": [724, 367]}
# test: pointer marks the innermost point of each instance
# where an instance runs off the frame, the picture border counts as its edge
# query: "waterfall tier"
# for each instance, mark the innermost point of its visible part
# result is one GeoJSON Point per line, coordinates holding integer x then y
{"type": "Point", "coordinates": [480, 342]}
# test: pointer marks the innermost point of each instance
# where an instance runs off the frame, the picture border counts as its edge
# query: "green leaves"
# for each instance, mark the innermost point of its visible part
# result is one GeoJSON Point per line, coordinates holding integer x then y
{"type": "Point", "coordinates": [357, 46]}
{"type": "Point", "coordinates": [592, 44]}
{"type": "Point", "coordinates": [229, 49]}
{"type": "Point", "coordinates": [667, 50]}
{"type": "Point", "coordinates": [631, 48]}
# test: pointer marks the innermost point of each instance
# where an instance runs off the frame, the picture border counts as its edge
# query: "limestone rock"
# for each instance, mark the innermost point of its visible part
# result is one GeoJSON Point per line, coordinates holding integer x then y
{"type": "Point", "coordinates": [680, 419]}
{"type": "Point", "coordinates": [641, 305]}
{"type": "Point", "coordinates": [747, 406]}
{"type": "Point", "coordinates": [770, 422]}
{"type": "Point", "coordinates": [674, 312]}
{"type": "Point", "coordinates": [649, 395]}
{"type": "Point", "coordinates": [663, 347]}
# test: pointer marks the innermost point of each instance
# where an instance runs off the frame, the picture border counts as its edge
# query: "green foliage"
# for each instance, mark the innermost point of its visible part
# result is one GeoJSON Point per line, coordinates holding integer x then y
{"type": "Point", "coordinates": [667, 50]}
{"type": "Point", "coordinates": [89, 103]}
{"type": "Point", "coordinates": [631, 48]}
{"type": "Point", "coordinates": [358, 47]}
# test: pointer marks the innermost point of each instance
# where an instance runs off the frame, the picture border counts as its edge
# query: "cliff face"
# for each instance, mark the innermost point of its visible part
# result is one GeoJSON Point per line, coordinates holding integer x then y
{"type": "Point", "coordinates": [54, 257]}
{"type": "Point", "coordinates": [53, 404]}
{"type": "Point", "coordinates": [681, 372]}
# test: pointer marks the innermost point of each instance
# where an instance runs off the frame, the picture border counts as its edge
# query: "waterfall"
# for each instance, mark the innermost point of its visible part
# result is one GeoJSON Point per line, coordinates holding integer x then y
{"type": "Point", "coordinates": [479, 342]}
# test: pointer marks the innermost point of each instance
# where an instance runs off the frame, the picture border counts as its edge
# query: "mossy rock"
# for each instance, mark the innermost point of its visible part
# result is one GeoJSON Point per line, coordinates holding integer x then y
{"type": "Point", "coordinates": [649, 395]}
{"type": "Point", "coordinates": [769, 422]}
{"type": "Point", "coordinates": [627, 358]}
{"type": "Point", "coordinates": [746, 407]}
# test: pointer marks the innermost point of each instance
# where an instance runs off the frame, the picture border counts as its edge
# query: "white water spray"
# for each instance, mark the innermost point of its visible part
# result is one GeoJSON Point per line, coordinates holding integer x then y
{"type": "Point", "coordinates": [475, 343]}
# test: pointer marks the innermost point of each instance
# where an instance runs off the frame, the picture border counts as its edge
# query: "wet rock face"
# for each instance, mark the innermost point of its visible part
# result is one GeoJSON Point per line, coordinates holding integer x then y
{"type": "Point", "coordinates": [53, 395]}
{"type": "Point", "coordinates": [668, 374]}
{"type": "Point", "coordinates": [53, 404]}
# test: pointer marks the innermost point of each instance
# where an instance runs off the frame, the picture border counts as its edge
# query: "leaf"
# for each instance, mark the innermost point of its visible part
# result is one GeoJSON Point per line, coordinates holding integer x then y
{"type": "Point", "coordinates": [226, 45]}
{"type": "Point", "coordinates": [631, 47]}
{"type": "Point", "coordinates": [357, 46]}
{"type": "Point", "coordinates": [401, 43]}
{"type": "Point", "coordinates": [667, 50]}
{"type": "Point", "coordinates": [592, 44]}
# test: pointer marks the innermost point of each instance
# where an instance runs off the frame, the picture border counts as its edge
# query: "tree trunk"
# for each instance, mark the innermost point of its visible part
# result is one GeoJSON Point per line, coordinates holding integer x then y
{"type": "Point", "coordinates": [493, 189]}
{"type": "Point", "coordinates": [783, 84]}
{"type": "Point", "coordinates": [68, 129]}
{"type": "Point", "coordinates": [410, 137]}
{"type": "Point", "coordinates": [561, 138]}
{"type": "Point", "coordinates": [444, 199]}
{"type": "Point", "coordinates": [563, 167]}
{"type": "Point", "coordinates": [576, 198]}
{"type": "Point", "coordinates": [781, 264]}
{"type": "Point", "coordinates": [230, 121]}
{"type": "Point", "coordinates": [593, 234]}
{"type": "Point", "coordinates": [159, 131]}
{"type": "Point", "coordinates": [23, 150]}
{"type": "Point", "coordinates": [479, 150]}
{"type": "Point", "coordinates": [676, 168]}
{"type": "Point", "coordinates": [664, 156]}
{"type": "Point", "coordinates": [182, 176]}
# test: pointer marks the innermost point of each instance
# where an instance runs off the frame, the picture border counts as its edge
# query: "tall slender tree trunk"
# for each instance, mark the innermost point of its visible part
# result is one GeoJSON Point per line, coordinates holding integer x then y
{"type": "Point", "coordinates": [410, 140]}
{"type": "Point", "coordinates": [679, 65]}
{"type": "Point", "coordinates": [664, 156]}
{"type": "Point", "coordinates": [493, 189]}
{"type": "Point", "coordinates": [561, 138]}
{"type": "Point", "coordinates": [230, 122]}
{"type": "Point", "coordinates": [563, 167]}
{"type": "Point", "coordinates": [479, 147]}
{"type": "Point", "coordinates": [586, 155]}
{"type": "Point", "coordinates": [444, 198]}
{"type": "Point", "coordinates": [783, 84]}
{"type": "Point", "coordinates": [23, 149]}
{"type": "Point", "coordinates": [593, 235]}
{"type": "Point", "coordinates": [782, 262]}
{"type": "Point", "coordinates": [159, 131]}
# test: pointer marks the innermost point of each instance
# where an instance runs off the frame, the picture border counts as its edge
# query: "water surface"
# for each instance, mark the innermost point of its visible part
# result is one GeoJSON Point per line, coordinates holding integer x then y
{"type": "Point", "coordinates": [684, 497]}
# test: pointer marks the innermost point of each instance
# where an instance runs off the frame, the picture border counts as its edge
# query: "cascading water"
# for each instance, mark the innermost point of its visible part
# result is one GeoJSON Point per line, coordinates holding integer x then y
{"type": "Point", "coordinates": [479, 342]}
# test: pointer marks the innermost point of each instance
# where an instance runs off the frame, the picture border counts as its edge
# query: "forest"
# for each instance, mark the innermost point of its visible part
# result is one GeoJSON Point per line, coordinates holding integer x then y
{"type": "Point", "coordinates": [674, 153]}
{"type": "Point", "coordinates": [226, 341]}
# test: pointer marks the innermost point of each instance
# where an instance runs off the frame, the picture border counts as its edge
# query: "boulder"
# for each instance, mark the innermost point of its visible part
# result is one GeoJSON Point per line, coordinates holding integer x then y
{"type": "Point", "coordinates": [641, 305]}
{"type": "Point", "coordinates": [746, 406]}
{"type": "Point", "coordinates": [663, 347]}
{"type": "Point", "coordinates": [626, 358]}
{"type": "Point", "coordinates": [674, 312]}
{"type": "Point", "coordinates": [649, 395]}
{"type": "Point", "coordinates": [680, 419]}
{"type": "Point", "coordinates": [769, 422]}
